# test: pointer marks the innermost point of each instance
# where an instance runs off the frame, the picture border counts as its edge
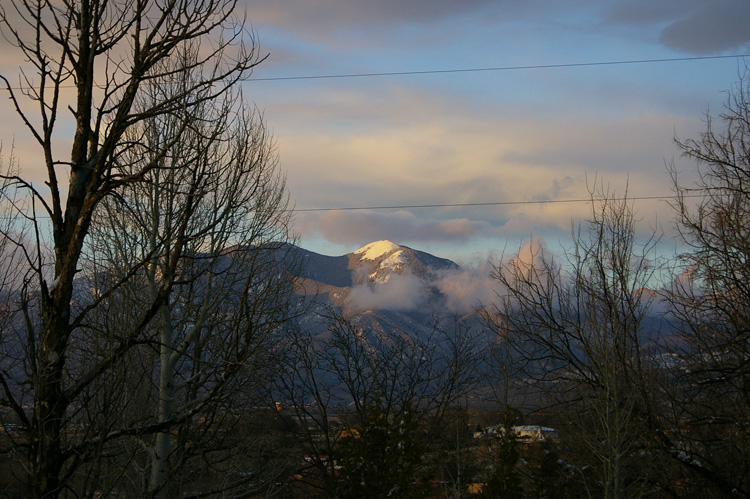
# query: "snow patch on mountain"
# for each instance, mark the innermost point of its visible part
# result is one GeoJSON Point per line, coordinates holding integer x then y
{"type": "Point", "coordinates": [393, 261]}
{"type": "Point", "coordinates": [375, 250]}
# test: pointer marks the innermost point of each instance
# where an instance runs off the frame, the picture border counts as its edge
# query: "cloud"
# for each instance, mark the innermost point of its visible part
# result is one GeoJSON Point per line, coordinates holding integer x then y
{"type": "Point", "coordinates": [647, 12]}
{"type": "Point", "coordinates": [533, 255]}
{"type": "Point", "coordinates": [363, 226]}
{"type": "Point", "coordinates": [468, 159]}
{"type": "Point", "coordinates": [472, 137]}
{"type": "Point", "coordinates": [689, 26]}
{"type": "Point", "coordinates": [399, 292]}
{"type": "Point", "coordinates": [467, 288]}
{"type": "Point", "coordinates": [717, 26]}
{"type": "Point", "coordinates": [342, 15]}
{"type": "Point", "coordinates": [463, 290]}
{"type": "Point", "coordinates": [392, 138]}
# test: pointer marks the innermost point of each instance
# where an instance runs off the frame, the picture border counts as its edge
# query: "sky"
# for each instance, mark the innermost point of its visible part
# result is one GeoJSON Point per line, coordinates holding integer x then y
{"type": "Point", "coordinates": [468, 137]}
{"type": "Point", "coordinates": [559, 115]}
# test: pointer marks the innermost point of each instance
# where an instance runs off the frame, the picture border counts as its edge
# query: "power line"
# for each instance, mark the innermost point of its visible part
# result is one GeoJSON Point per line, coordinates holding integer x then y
{"type": "Point", "coordinates": [500, 68]}
{"type": "Point", "coordinates": [492, 203]}
{"type": "Point", "coordinates": [468, 205]}
{"type": "Point", "coordinates": [478, 70]}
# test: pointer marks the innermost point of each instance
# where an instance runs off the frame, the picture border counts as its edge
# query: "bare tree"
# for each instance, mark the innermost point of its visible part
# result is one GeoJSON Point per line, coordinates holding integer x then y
{"type": "Point", "coordinates": [141, 129]}
{"type": "Point", "coordinates": [210, 223]}
{"type": "Point", "coordinates": [579, 329]}
{"type": "Point", "coordinates": [13, 239]}
{"type": "Point", "coordinates": [351, 379]}
{"type": "Point", "coordinates": [711, 300]}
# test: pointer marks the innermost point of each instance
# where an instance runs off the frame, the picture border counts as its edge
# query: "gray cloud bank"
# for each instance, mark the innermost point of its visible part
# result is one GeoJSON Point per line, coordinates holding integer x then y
{"type": "Point", "coordinates": [689, 26]}
{"type": "Point", "coordinates": [363, 226]}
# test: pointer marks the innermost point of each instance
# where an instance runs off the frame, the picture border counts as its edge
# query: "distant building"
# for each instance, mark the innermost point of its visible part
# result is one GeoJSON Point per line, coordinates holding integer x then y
{"type": "Point", "coordinates": [533, 433]}
{"type": "Point", "coordinates": [524, 433]}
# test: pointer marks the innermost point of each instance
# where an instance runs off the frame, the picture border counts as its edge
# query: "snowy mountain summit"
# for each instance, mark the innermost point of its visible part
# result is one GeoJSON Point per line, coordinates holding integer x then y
{"type": "Point", "coordinates": [376, 249]}
{"type": "Point", "coordinates": [376, 262]}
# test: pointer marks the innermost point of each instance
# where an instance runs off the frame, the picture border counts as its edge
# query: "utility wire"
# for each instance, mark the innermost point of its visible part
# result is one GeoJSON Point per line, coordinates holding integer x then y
{"type": "Point", "coordinates": [478, 70]}
{"type": "Point", "coordinates": [467, 205]}
{"type": "Point", "coordinates": [493, 203]}
{"type": "Point", "coordinates": [500, 68]}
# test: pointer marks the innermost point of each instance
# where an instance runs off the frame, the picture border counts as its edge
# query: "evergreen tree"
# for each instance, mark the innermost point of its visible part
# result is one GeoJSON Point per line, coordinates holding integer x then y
{"type": "Point", "coordinates": [382, 460]}
{"type": "Point", "coordinates": [505, 481]}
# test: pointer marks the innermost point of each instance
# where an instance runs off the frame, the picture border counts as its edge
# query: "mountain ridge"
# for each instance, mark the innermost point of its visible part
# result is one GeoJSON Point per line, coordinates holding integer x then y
{"type": "Point", "coordinates": [376, 270]}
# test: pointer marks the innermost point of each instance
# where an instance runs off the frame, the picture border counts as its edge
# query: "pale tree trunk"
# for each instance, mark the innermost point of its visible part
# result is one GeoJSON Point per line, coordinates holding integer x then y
{"type": "Point", "coordinates": [163, 441]}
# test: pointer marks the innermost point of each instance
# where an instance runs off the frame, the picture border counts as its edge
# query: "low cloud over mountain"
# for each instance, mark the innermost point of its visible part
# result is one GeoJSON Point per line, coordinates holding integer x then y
{"type": "Point", "coordinates": [385, 276]}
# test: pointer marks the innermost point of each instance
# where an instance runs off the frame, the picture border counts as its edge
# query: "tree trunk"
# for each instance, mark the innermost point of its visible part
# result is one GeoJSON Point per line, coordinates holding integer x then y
{"type": "Point", "coordinates": [161, 450]}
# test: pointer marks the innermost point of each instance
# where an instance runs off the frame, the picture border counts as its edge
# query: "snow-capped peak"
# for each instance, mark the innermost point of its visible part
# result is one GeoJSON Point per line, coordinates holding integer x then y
{"type": "Point", "coordinates": [375, 250]}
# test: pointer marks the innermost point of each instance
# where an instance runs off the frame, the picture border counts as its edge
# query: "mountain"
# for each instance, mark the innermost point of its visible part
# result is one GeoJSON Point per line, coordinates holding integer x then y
{"type": "Point", "coordinates": [385, 288]}
{"type": "Point", "coordinates": [392, 289]}
{"type": "Point", "coordinates": [373, 263]}
{"type": "Point", "coordinates": [381, 259]}
{"type": "Point", "coordinates": [381, 274]}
